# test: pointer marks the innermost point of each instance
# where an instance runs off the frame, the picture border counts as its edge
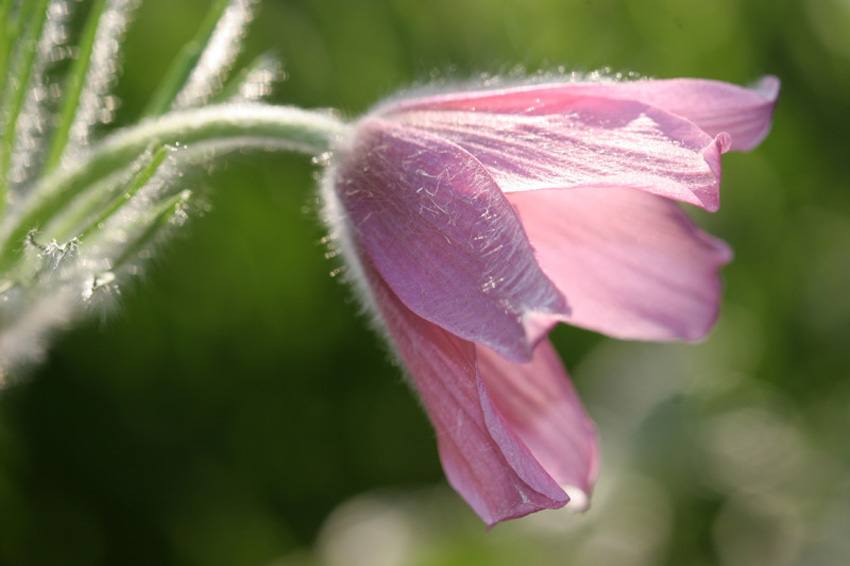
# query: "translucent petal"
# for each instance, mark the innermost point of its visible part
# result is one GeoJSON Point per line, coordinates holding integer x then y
{"type": "Point", "coordinates": [443, 236]}
{"type": "Point", "coordinates": [633, 265]}
{"type": "Point", "coordinates": [484, 459]}
{"type": "Point", "coordinates": [589, 141]}
{"type": "Point", "coordinates": [541, 406]}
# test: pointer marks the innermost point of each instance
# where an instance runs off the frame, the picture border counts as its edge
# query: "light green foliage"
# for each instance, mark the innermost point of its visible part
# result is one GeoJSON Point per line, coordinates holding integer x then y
{"type": "Point", "coordinates": [75, 82]}
{"type": "Point", "coordinates": [81, 212]}
{"type": "Point", "coordinates": [185, 62]}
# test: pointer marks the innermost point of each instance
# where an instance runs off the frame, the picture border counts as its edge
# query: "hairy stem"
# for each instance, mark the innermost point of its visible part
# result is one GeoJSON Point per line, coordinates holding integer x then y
{"type": "Point", "coordinates": [27, 32]}
{"type": "Point", "coordinates": [74, 87]}
{"type": "Point", "coordinates": [285, 128]}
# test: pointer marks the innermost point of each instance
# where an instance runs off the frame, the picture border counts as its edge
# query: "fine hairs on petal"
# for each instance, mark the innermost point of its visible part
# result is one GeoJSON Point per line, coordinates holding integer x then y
{"type": "Point", "coordinates": [447, 82]}
{"type": "Point", "coordinates": [340, 244]}
{"type": "Point", "coordinates": [414, 202]}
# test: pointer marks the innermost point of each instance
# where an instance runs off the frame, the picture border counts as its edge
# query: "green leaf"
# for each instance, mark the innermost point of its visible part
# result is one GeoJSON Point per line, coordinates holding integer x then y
{"type": "Point", "coordinates": [139, 180]}
{"type": "Point", "coordinates": [264, 62]}
{"type": "Point", "coordinates": [185, 62]}
{"type": "Point", "coordinates": [7, 40]}
{"type": "Point", "coordinates": [83, 216]}
{"type": "Point", "coordinates": [74, 84]}
{"type": "Point", "coordinates": [26, 31]}
{"type": "Point", "coordinates": [150, 224]}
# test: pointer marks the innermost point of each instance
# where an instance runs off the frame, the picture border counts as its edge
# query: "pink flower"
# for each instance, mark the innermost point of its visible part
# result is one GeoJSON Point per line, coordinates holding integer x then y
{"type": "Point", "coordinates": [474, 222]}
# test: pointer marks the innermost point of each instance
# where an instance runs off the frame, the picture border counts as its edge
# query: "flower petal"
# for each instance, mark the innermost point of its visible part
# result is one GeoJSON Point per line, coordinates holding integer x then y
{"type": "Point", "coordinates": [714, 106]}
{"type": "Point", "coordinates": [484, 460]}
{"type": "Point", "coordinates": [443, 236]}
{"type": "Point", "coordinates": [589, 141]}
{"type": "Point", "coordinates": [632, 264]}
{"type": "Point", "coordinates": [541, 406]}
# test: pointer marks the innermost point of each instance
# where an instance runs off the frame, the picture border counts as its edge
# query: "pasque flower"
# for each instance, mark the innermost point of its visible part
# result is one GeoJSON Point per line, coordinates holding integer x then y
{"type": "Point", "coordinates": [474, 222]}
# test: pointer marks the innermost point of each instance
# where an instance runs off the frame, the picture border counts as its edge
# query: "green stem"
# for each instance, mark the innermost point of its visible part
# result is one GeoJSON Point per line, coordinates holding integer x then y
{"type": "Point", "coordinates": [9, 30]}
{"type": "Point", "coordinates": [185, 62]}
{"type": "Point", "coordinates": [231, 89]}
{"type": "Point", "coordinates": [33, 16]}
{"type": "Point", "coordinates": [139, 180]}
{"type": "Point", "coordinates": [159, 217]}
{"type": "Point", "coordinates": [74, 87]}
{"type": "Point", "coordinates": [229, 126]}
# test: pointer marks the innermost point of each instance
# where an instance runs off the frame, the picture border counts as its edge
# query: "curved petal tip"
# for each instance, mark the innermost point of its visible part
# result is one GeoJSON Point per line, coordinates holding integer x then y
{"type": "Point", "coordinates": [768, 87]}
{"type": "Point", "coordinates": [579, 498]}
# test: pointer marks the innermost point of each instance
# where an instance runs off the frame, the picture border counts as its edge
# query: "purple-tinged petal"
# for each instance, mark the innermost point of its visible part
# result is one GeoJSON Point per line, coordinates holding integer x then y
{"type": "Point", "coordinates": [743, 113]}
{"type": "Point", "coordinates": [714, 106]}
{"type": "Point", "coordinates": [633, 265]}
{"type": "Point", "coordinates": [443, 236]}
{"type": "Point", "coordinates": [541, 406]}
{"type": "Point", "coordinates": [483, 458]}
{"type": "Point", "coordinates": [591, 141]}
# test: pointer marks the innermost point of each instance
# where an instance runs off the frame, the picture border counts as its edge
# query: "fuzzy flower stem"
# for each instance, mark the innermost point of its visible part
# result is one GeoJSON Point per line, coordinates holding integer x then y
{"type": "Point", "coordinates": [226, 125]}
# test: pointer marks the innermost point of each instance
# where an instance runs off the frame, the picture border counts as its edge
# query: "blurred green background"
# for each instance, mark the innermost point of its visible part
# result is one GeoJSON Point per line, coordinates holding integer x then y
{"type": "Point", "coordinates": [233, 408]}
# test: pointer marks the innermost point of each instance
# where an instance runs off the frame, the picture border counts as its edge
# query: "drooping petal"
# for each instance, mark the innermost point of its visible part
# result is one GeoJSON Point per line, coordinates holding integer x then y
{"type": "Point", "coordinates": [483, 458]}
{"type": "Point", "coordinates": [541, 406]}
{"type": "Point", "coordinates": [743, 113]}
{"type": "Point", "coordinates": [633, 265]}
{"type": "Point", "coordinates": [714, 106]}
{"type": "Point", "coordinates": [589, 141]}
{"type": "Point", "coordinates": [443, 236]}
